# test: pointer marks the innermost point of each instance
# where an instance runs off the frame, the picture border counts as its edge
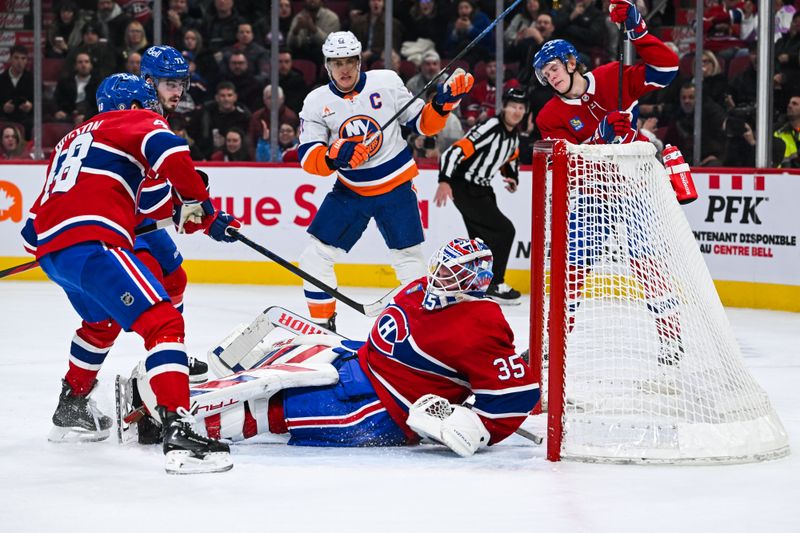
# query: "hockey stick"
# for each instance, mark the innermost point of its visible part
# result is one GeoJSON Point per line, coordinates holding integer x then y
{"type": "Point", "coordinates": [621, 66]}
{"type": "Point", "coordinates": [148, 228]}
{"type": "Point", "coordinates": [373, 309]}
{"type": "Point", "coordinates": [461, 54]}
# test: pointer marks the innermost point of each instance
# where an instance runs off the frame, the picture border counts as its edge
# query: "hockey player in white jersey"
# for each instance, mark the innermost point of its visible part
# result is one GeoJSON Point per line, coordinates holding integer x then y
{"type": "Point", "coordinates": [374, 180]}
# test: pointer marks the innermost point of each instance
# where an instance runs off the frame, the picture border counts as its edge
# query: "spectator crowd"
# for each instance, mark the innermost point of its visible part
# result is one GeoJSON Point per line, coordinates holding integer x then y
{"type": "Point", "coordinates": [225, 114]}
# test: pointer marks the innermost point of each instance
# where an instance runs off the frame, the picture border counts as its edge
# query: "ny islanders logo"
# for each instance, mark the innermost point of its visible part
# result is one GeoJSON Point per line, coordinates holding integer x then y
{"type": "Point", "coordinates": [360, 126]}
{"type": "Point", "coordinates": [389, 330]}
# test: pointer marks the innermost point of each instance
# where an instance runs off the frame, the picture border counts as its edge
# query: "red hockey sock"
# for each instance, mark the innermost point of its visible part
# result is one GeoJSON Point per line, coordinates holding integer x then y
{"type": "Point", "coordinates": [175, 284]}
{"type": "Point", "coordinates": [88, 350]}
{"type": "Point", "coordinates": [162, 329]}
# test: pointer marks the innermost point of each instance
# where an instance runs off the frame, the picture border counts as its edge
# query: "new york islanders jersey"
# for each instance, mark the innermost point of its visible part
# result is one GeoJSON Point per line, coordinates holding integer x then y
{"type": "Point", "coordinates": [412, 352]}
{"type": "Point", "coordinates": [105, 175]}
{"type": "Point", "coordinates": [576, 120]}
{"type": "Point", "coordinates": [328, 115]}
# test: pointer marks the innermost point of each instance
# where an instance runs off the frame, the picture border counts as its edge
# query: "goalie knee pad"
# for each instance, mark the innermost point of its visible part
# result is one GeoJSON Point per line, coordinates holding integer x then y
{"type": "Point", "coordinates": [408, 263]}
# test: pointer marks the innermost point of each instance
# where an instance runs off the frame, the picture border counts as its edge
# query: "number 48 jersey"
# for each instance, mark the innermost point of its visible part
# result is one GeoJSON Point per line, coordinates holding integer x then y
{"type": "Point", "coordinates": [455, 352]}
{"type": "Point", "coordinates": [106, 174]}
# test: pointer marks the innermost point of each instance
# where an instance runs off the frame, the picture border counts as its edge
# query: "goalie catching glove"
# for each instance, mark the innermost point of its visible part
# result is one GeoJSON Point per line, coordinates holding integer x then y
{"type": "Point", "coordinates": [449, 94]}
{"type": "Point", "coordinates": [455, 426]}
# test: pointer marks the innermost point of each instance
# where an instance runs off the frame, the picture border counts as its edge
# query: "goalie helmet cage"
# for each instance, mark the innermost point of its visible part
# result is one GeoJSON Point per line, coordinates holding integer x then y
{"type": "Point", "coordinates": [643, 364]}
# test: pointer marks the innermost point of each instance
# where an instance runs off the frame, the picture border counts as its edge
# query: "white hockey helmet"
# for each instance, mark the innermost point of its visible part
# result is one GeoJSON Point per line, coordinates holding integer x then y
{"type": "Point", "coordinates": [341, 44]}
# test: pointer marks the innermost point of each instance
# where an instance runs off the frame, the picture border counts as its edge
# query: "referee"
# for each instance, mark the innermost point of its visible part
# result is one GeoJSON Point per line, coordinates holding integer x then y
{"type": "Point", "coordinates": [466, 170]}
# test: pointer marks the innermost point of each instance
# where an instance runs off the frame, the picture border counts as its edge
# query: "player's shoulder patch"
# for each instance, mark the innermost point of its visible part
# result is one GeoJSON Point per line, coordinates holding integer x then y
{"type": "Point", "coordinates": [576, 123]}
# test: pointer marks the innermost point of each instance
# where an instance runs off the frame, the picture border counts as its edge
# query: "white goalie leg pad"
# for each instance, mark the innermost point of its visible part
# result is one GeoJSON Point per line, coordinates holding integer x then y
{"type": "Point", "coordinates": [318, 259]}
{"type": "Point", "coordinates": [145, 390]}
{"type": "Point", "coordinates": [455, 426]}
{"type": "Point", "coordinates": [246, 347]}
{"type": "Point", "coordinates": [220, 395]}
{"type": "Point", "coordinates": [231, 422]}
{"type": "Point", "coordinates": [408, 263]}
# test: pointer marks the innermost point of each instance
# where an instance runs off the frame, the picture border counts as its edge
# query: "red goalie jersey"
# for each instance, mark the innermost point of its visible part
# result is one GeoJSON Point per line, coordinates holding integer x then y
{"type": "Point", "coordinates": [412, 352]}
{"type": "Point", "coordinates": [576, 120]}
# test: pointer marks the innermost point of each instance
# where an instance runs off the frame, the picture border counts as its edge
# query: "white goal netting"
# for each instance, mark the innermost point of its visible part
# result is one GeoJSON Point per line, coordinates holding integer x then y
{"type": "Point", "coordinates": [651, 369]}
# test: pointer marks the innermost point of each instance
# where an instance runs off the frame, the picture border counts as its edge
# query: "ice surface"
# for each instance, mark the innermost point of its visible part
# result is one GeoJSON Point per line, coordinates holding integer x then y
{"type": "Point", "coordinates": [277, 488]}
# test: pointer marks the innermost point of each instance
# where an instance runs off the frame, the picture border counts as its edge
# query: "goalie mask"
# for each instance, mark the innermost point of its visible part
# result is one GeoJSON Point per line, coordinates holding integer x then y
{"type": "Point", "coordinates": [458, 270]}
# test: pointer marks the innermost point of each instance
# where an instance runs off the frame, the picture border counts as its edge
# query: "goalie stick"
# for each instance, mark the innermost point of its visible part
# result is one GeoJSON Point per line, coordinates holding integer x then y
{"type": "Point", "coordinates": [372, 309]}
{"type": "Point", "coordinates": [147, 228]}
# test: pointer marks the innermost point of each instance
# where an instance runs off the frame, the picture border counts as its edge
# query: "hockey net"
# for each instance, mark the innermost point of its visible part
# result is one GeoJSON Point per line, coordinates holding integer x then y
{"type": "Point", "coordinates": [643, 364]}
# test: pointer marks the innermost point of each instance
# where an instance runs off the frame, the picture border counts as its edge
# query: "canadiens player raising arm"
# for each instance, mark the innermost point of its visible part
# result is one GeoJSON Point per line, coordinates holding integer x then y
{"type": "Point", "coordinates": [167, 71]}
{"type": "Point", "coordinates": [81, 229]}
{"type": "Point", "coordinates": [373, 181]}
{"type": "Point", "coordinates": [585, 108]}
{"type": "Point", "coordinates": [436, 345]}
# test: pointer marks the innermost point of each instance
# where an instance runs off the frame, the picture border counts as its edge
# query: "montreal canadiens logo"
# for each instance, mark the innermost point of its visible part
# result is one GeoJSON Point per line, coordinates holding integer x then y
{"type": "Point", "coordinates": [389, 330]}
{"type": "Point", "coordinates": [357, 127]}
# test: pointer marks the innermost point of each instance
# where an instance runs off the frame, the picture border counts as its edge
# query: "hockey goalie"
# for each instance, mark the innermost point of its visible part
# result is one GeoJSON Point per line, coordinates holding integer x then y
{"type": "Point", "coordinates": [410, 380]}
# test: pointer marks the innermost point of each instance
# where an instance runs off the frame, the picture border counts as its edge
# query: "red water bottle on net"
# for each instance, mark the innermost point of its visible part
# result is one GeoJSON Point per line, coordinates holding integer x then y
{"type": "Point", "coordinates": [680, 176]}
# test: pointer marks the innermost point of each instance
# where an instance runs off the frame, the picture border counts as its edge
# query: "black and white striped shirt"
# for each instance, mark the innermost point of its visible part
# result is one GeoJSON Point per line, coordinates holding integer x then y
{"type": "Point", "coordinates": [488, 148]}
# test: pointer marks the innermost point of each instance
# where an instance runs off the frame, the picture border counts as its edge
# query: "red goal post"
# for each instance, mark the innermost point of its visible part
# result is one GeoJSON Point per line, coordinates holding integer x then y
{"type": "Point", "coordinates": [641, 364]}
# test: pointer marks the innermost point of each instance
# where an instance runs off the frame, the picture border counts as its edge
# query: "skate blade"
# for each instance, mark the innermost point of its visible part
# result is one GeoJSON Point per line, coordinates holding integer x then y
{"type": "Point", "coordinates": [182, 462]}
{"type": "Point", "coordinates": [198, 378]}
{"type": "Point", "coordinates": [74, 434]}
{"type": "Point", "coordinates": [126, 430]}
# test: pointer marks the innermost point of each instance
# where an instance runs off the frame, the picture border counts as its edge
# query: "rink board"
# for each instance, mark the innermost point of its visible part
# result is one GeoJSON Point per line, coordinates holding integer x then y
{"type": "Point", "coordinates": [744, 222]}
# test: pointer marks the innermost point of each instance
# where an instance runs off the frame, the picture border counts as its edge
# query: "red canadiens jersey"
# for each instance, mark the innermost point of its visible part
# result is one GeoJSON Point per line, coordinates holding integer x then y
{"type": "Point", "coordinates": [463, 349]}
{"type": "Point", "coordinates": [576, 120]}
{"type": "Point", "coordinates": [105, 175]}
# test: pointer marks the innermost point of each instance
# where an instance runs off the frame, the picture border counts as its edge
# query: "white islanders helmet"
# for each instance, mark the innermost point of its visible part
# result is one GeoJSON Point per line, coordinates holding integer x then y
{"type": "Point", "coordinates": [341, 44]}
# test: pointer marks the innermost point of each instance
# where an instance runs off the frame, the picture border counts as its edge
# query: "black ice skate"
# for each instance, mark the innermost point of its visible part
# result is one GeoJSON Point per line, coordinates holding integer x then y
{"type": "Point", "coordinates": [77, 418]}
{"type": "Point", "coordinates": [198, 371]}
{"type": "Point", "coordinates": [329, 324]}
{"type": "Point", "coordinates": [186, 451]}
{"type": "Point", "coordinates": [148, 431]}
{"type": "Point", "coordinates": [504, 294]}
